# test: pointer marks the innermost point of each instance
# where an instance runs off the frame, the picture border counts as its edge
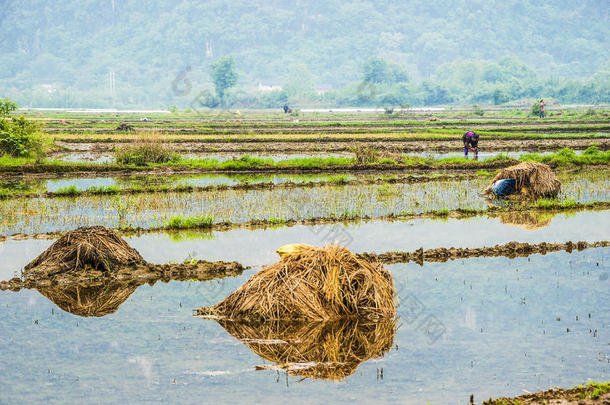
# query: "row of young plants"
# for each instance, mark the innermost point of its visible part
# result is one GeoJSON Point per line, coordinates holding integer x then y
{"type": "Point", "coordinates": [150, 157]}
{"type": "Point", "coordinates": [208, 222]}
{"type": "Point", "coordinates": [336, 180]}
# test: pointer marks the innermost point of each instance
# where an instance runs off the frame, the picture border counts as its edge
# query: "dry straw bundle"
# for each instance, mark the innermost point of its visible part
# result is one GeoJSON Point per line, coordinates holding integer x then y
{"type": "Point", "coordinates": [526, 220]}
{"type": "Point", "coordinates": [91, 300]}
{"type": "Point", "coordinates": [319, 350]}
{"type": "Point", "coordinates": [532, 178]}
{"type": "Point", "coordinates": [312, 284]}
{"type": "Point", "coordinates": [94, 247]}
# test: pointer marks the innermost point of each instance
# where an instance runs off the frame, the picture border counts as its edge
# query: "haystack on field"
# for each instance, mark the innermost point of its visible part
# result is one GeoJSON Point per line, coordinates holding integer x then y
{"type": "Point", "coordinates": [532, 179]}
{"type": "Point", "coordinates": [312, 283]}
{"type": "Point", "coordinates": [87, 248]}
{"type": "Point", "coordinates": [329, 350]}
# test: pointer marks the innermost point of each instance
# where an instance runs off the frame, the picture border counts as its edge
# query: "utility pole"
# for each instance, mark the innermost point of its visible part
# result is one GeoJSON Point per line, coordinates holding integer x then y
{"type": "Point", "coordinates": [112, 85]}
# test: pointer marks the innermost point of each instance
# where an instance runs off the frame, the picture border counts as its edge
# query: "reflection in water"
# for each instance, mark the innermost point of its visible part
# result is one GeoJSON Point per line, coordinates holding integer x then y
{"type": "Point", "coordinates": [527, 220]}
{"type": "Point", "coordinates": [320, 350]}
{"type": "Point", "coordinates": [92, 300]}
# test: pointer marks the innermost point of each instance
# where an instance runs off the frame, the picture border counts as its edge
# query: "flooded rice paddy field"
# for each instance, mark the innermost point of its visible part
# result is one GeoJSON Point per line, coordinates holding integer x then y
{"type": "Point", "coordinates": [108, 157]}
{"type": "Point", "coordinates": [195, 180]}
{"type": "Point", "coordinates": [34, 215]}
{"type": "Point", "coordinates": [488, 326]}
{"type": "Point", "coordinates": [327, 145]}
{"type": "Point", "coordinates": [502, 326]}
{"type": "Point", "coordinates": [255, 247]}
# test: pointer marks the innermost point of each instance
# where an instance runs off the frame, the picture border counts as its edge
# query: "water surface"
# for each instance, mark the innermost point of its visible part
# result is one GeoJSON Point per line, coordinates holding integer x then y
{"type": "Point", "coordinates": [156, 209]}
{"type": "Point", "coordinates": [504, 326]}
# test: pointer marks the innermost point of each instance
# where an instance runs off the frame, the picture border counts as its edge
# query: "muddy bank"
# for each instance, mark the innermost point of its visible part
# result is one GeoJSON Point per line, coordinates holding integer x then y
{"type": "Point", "coordinates": [79, 169]}
{"type": "Point", "coordinates": [147, 273]}
{"type": "Point", "coordinates": [248, 186]}
{"type": "Point", "coordinates": [98, 254]}
{"type": "Point", "coordinates": [99, 293]}
{"type": "Point", "coordinates": [586, 394]}
{"type": "Point", "coordinates": [203, 270]}
{"type": "Point", "coordinates": [510, 250]}
{"type": "Point", "coordinates": [403, 145]}
{"type": "Point", "coordinates": [296, 128]}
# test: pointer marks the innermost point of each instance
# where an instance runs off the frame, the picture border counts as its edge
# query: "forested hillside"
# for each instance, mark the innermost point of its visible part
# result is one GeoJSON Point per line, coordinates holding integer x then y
{"type": "Point", "coordinates": [128, 53]}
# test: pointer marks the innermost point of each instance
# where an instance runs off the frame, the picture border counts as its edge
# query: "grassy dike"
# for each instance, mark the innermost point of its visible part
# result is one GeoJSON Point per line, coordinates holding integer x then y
{"type": "Point", "coordinates": [564, 158]}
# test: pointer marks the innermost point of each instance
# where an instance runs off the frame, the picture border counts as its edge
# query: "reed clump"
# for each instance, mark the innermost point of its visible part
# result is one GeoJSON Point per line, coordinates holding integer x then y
{"type": "Point", "coordinates": [144, 152]}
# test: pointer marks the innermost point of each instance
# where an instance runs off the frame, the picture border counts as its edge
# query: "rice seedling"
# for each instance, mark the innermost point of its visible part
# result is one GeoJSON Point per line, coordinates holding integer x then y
{"type": "Point", "coordinates": [549, 204]}
{"type": "Point", "coordinates": [180, 222]}
{"type": "Point", "coordinates": [5, 193]}
{"type": "Point", "coordinates": [101, 190]}
{"type": "Point", "coordinates": [294, 203]}
{"type": "Point", "coordinates": [69, 191]}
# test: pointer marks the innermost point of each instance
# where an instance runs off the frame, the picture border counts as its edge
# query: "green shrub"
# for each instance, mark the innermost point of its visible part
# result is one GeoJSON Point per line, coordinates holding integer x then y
{"type": "Point", "coordinates": [6, 107]}
{"type": "Point", "coordinates": [104, 190]}
{"type": "Point", "coordinates": [68, 191]}
{"type": "Point", "coordinates": [276, 221]}
{"type": "Point", "coordinates": [20, 138]}
{"type": "Point", "coordinates": [592, 150]}
{"type": "Point", "coordinates": [566, 157]}
{"type": "Point", "coordinates": [5, 193]}
{"type": "Point", "coordinates": [478, 110]}
{"type": "Point", "coordinates": [536, 109]}
{"type": "Point", "coordinates": [500, 97]}
{"type": "Point", "coordinates": [599, 389]}
{"type": "Point", "coordinates": [142, 154]}
{"type": "Point", "coordinates": [554, 203]}
{"type": "Point", "coordinates": [180, 222]}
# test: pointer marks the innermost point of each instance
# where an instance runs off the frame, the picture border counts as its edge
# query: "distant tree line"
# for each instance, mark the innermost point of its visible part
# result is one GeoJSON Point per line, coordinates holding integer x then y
{"type": "Point", "coordinates": [123, 54]}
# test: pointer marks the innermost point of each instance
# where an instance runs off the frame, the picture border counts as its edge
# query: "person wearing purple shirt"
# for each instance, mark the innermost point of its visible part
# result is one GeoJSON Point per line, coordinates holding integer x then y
{"type": "Point", "coordinates": [471, 141]}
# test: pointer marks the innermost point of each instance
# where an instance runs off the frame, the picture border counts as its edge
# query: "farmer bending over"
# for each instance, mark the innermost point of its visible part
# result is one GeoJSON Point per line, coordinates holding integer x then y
{"type": "Point", "coordinates": [471, 141]}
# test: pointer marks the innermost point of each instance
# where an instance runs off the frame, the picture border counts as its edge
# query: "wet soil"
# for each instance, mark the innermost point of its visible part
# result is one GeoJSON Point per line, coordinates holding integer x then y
{"type": "Point", "coordinates": [145, 273]}
{"type": "Point", "coordinates": [510, 250]}
{"type": "Point", "coordinates": [78, 169]}
{"type": "Point", "coordinates": [260, 186]}
{"type": "Point", "coordinates": [330, 128]}
{"type": "Point", "coordinates": [403, 145]}
{"type": "Point", "coordinates": [555, 396]}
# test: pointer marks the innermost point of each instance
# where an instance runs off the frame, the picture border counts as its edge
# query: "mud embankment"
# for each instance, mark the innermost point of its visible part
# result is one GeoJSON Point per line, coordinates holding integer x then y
{"type": "Point", "coordinates": [203, 270]}
{"type": "Point", "coordinates": [405, 145]}
{"type": "Point", "coordinates": [80, 169]}
{"type": "Point", "coordinates": [586, 394]}
{"type": "Point", "coordinates": [146, 273]}
{"type": "Point", "coordinates": [250, 186]}
{"type": "Point", "coordinates": [510, 250]}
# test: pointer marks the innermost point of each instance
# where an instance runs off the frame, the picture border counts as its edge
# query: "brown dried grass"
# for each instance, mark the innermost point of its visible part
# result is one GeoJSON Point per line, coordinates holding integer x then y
{"type": "Point", "coordinates": [84, 248]}
{"type": "Point", "coordinates": [319, 350]}
{"type": "Point", "coordinates": [312, 284]}
{"type": "Point", "coordinates": [532, 178]}
{"type": "Point", "coordinates": [90, 300]}
{"type": "Point", "coordinates": [526, 220]}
